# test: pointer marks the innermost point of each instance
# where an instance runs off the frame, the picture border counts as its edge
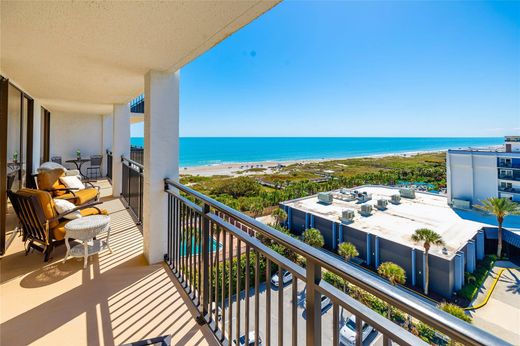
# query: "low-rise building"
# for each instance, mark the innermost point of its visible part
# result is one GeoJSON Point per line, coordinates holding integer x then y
{"type": "Point", "coordinates": [384, 234]}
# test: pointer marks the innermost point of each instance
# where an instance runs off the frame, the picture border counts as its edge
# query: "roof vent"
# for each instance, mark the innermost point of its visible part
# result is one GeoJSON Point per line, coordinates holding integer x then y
{"type": "Point", "coordinates": [366, 209]}
{"type": "Point", "coordinates": [395, 199]}
{"type": "Point", "coordinates": [407, 193]}
{"type": "Point", "coordinates": [347, 215]}
{"type": "Point", "coordinates": [381, 204]}
{"type": "Point", "coordinates": [325, 197]}
{"type": "Point", "coordinates": [363, 197]}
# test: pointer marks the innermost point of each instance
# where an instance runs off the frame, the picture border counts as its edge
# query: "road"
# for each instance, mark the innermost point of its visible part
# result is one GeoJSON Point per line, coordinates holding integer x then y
{"type": "Point", "coordinates": [374, 338]}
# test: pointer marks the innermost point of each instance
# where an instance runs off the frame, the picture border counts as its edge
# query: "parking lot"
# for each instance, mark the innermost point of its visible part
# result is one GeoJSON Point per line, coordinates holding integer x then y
{"type": "Point", "coordinates": [501, 315]}
{"type": "Point", "coordinates": [374, 338]}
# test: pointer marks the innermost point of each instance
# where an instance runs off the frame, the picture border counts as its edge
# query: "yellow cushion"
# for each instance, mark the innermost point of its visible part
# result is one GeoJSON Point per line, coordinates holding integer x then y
{"type": "Point", "coordinates": [86, 195]}
{"type": "Point", "coordinates": [49, 179]}
{"type": "Point", "coordinates": [46, 203]}
{"type": "Point", "coordinates": [81, 196]}
{"type": "Point", "coordinates": [57, 185]}
{"type": "Point", "coordinates": [58, 232]}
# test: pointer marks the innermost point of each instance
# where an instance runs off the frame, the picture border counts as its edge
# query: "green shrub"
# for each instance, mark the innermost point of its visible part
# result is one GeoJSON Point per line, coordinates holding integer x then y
{"type": "Point", "coordinates": [475, 280]}
{"type": "Point", "coordinates": [455, 310]}
{"type": "Point", "coordinates": [426, 332]}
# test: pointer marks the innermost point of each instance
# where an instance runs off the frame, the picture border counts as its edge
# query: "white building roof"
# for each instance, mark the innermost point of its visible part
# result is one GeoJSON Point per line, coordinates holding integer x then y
{"type": "Point", "coordinates": [398, 222]}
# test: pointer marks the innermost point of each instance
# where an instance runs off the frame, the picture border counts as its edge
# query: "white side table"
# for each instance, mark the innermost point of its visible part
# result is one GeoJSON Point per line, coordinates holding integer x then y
{"type": "Point", "coordinates": [85, 229]}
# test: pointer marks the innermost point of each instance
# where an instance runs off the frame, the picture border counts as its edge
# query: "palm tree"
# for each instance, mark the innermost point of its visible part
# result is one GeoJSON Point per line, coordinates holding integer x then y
{"type": "Point", "coordinates": [500, 207]}
{"type": "Point", "coordinates": [428, 238]}
{"type": "Point", "coordinates": [313, 237]}
{"type": "Point", "coordinates": [279, 216]}
{"type": "Point", "coordinates": [395, 274]}
{"type": "Point", "coordinates": [347, 250]}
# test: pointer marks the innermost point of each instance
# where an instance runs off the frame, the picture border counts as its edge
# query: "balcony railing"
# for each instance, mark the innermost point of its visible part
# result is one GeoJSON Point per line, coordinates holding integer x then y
{"type": "Point", "coordinates": [508, 189]}
{"type": "Point", "coordinates": [137, 154]}
{"type": "Point", "coordinates": [132, 189]}
{"type": "Point", "coordinates": [508, 177]}
{"type": "Point", "coordinates": [109, 164]}
{"type": "Point", "coordinates": [220, 257]}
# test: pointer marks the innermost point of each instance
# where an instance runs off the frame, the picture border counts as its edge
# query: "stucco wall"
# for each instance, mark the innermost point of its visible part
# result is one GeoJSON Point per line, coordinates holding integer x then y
{"type": "Point", "coordinates": [461, 176]}
{"type": "Point", "coordinates": [485, 177]}
{"type": "Point", "coordinates": [441, 270]}
{"type": "Point", "coordinates": [71, 131]}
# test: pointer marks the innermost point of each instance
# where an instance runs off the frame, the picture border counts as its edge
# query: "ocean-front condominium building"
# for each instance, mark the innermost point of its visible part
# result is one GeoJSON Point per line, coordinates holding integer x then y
{"type": "Point", "coordinates": [476, 174]}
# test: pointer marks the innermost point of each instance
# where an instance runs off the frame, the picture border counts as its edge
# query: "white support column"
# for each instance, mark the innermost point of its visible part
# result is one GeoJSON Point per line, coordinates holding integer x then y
{"type": "Point", "coordinates": [120, 144]}
{"type": "Point", "coordinates": [161, 157]}
{"type": "Point", "coordinates": [108, 132]}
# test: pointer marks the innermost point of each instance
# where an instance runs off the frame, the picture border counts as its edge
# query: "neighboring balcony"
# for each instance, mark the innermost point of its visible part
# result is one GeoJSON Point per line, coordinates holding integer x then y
{"type": "Point", "coordinates": [509, 177]}
{"type": "Point", "coordinates": [508, 189]}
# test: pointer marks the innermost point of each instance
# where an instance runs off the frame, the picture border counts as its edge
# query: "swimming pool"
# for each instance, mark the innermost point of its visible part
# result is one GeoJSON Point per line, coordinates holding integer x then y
{"type": "Point", "coordinates": [195, 250]}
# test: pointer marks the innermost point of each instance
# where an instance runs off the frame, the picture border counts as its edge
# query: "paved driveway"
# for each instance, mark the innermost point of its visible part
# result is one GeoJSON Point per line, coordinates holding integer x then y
{"type": "Point", "coordinates": [374, 338]}
{"type": "Point", "coordinates": [501, 315]}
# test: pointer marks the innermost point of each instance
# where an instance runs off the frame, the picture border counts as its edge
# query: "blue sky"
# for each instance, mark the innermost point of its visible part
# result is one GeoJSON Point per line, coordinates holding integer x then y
{"type": "Point", "coordinates": [382, 68]}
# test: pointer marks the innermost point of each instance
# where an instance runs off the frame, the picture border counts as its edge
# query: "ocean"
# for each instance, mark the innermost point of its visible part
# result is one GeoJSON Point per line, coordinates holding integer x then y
{"type": "Point", "coordinates": [199, 151]}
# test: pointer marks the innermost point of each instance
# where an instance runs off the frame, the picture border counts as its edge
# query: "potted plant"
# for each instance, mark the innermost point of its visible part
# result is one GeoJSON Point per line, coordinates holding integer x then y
{"type": "Point", "coordinates": [78, 154]}
{"type": "Point", "coordinates": [15, 157]}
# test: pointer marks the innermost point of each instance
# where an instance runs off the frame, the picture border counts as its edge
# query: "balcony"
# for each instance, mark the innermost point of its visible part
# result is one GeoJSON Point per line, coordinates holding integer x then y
{"type": "Point", "coordinates": [118, 299]}
{"type": "Point", "coordinates": [509, 177]}
{"type": "Point", "coordinates": [508, 189]}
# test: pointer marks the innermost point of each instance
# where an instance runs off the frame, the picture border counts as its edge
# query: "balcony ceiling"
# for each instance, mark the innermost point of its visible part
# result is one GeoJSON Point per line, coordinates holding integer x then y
{"type": "Point", "coordinates": [84, 56]}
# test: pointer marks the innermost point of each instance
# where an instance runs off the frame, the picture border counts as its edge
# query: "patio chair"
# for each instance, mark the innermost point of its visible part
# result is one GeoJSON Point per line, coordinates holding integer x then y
{"type": "Point", "coordinates": [95, 165]}
{"type": "Point", "coordinates": [42, 227]}
{"type": "Point", "coordinates": [49, 180]}
{"type": "Point", "coordinates": [56, 159]}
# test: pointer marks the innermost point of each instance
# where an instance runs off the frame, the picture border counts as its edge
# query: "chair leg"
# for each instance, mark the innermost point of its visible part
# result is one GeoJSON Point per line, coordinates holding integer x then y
{"type": "Point", "coordinates": [48, 253]}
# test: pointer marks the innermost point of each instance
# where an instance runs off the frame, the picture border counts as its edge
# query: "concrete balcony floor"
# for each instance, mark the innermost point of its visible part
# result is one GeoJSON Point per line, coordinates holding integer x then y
{"type": "Point", "coordinates": [118, 299]}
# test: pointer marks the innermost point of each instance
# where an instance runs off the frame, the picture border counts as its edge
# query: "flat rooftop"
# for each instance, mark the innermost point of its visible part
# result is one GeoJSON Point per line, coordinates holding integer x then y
{"type": "Point", "coordinates": [398, 222]}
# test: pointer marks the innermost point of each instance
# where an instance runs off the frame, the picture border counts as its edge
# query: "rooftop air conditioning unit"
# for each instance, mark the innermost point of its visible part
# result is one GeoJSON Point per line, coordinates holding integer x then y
{"type": "Point", "coordinates": [381, 204]}
{"type": "Point", "coordinates": [366, 209]}
{"type": "Point", "coordinates": [407, 193]}
{"type": "Point", "coordinates": [347, 215]}
{"type": "Point", "coordinates": [325, 197]}
{"type": "Point", "coordinates": [364, 197]}
{"type": "Point", "coordinates": [460, 203]}
{"type": "Point", "coordinates": [395, 199]}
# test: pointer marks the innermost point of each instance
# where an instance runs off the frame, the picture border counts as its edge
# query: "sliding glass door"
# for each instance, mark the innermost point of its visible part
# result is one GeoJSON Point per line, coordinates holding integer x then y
{"type": "Point", "coordinates": [16, 137]}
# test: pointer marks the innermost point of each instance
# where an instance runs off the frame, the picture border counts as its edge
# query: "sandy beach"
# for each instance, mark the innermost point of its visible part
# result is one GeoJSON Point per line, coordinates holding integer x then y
{"type": "Point", "coordinates": [267, 167]}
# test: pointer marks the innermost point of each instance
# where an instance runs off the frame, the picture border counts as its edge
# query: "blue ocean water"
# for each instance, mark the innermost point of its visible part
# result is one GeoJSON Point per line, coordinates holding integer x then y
{"type": "Point", "coordinates": [198, 151]}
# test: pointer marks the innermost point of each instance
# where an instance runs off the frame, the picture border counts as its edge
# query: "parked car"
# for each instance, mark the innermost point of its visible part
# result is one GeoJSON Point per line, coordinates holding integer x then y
{"type": "Point", "coordinates": [347, 333]}
{"type": "Point", "coordinates": [219, 309]}
{"type": "Point", "coordinates": [325, 302]}
{"type": "Point", "coordinates": [286, 276]}
{"type": "Point", "coordinates": [251, 341]}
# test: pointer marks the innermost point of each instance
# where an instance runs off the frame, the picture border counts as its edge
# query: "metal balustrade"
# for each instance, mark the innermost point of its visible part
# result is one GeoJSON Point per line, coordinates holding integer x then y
{"type": "Point", "coordinates": [137, 154]}
{"type": "Point", "coordinates": [132, 186]}
{"type": "Point", "coordinates": [220, 258]}
{"type": "Point", "coordinates": [109, 164]}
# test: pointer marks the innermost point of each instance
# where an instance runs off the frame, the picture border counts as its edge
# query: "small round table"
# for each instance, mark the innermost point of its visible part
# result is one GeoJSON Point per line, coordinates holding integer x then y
{"type": "Point", "coordinates": [86, 229]}
{"type": "Point", "coordinates": [78, 162]}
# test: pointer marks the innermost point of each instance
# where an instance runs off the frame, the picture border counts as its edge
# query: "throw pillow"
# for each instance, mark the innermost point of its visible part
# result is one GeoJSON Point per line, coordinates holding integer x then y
{"type": "Point", "coordinates": [63, 206]}
{"type": "Point", "coordinates": [72, 182]}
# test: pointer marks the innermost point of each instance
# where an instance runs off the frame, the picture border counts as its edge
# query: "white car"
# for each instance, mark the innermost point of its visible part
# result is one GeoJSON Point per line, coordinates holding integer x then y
{"type": "Point", "coordinates": [325, 302]}
{"type": "Point", "coordinates": [347, 333]}
{"type": "Point", "coordinates": [251, 341]}
{"type": "Point", "coordinates": [286, 277]}
{"type": "Point", "coordinates": [219, 309]}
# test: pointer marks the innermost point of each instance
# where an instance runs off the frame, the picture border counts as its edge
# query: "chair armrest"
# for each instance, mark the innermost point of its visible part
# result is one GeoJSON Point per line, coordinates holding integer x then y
{"type": "Point", "coordinates": [83, 206]}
